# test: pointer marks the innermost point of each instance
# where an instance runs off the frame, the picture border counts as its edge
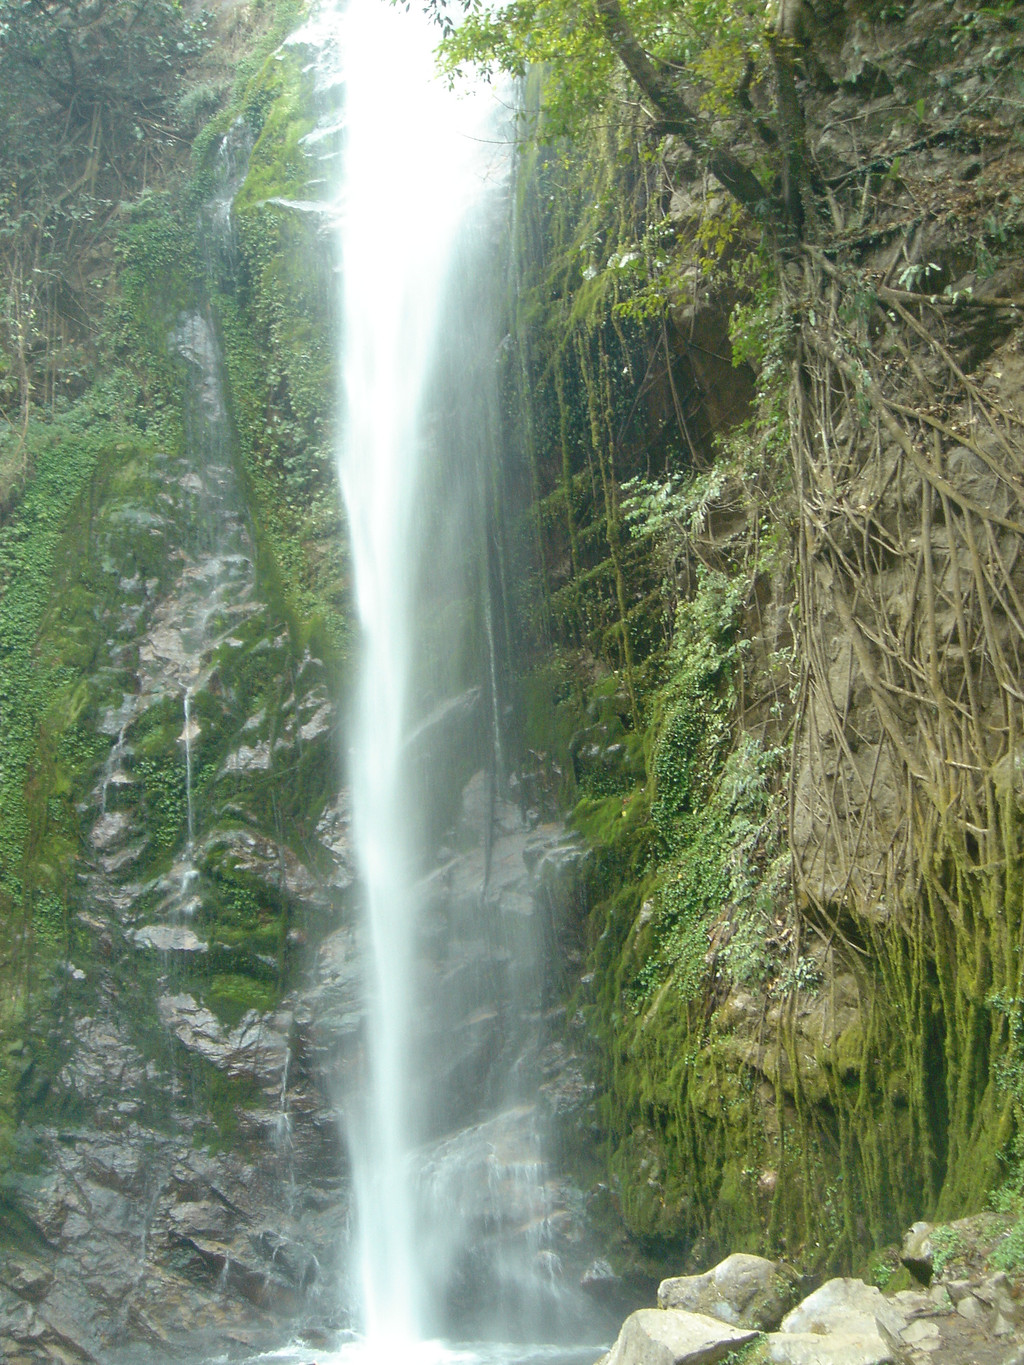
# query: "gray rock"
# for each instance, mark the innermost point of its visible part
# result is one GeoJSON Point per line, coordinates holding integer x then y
{"type": "Point", "coordinates": [566, 1089]}
{"type": "Point", "coordinates": [109, 829]}
{"type": "Point", "coordinates": [923, 1335]}
{"type": "Point", "coordinates": [481, 1175]}
{"type": "Point", "coordinates": [553, 854]}
{"type": "Point", "coordinates": [837, 1348]}
{"type": "Point", "coordinates": [168, 938]}
{"type": "Point", "coordinates": [916, 1251]}
{"type": "Point", "coordinates": [996, 1291]}
{"type": "Point", "coordinates": [334, 1006]}
{"type": "Point", "coordinates": [972, 1309]}
{"type": "Point", "coordinates": [243, 1277]}
{"type": "Point", "coordinates": [248, 758]}
{"type": "Point", "coordinates": [28, 1279]}
{"type": "Point", "coordinates": [913, 1302]}
{"type": "Point", "coordinates": [266, 858]}
{"type": "Point", "coordinates": [102, 1062]}
{"type": "Point", "coordinates": [200, 1218]}
{"type": "Point", "coordinates": [319, 723]}
{"type": "Point", "coordinates": [447, 727]}
{"type": "Point", "coordinates": [334, 831]}
{"type": "Point", "coordinates": [939, 1296]}
{"type": "Point", "coordinates": [846, 1306]}
{"type": "Point", "coordinates": [252, 1049]}
{"type": "Point", "coordinates": [669, 1336]}
{"type": "Point", "coordinates": [44, 1333]}
{"type": "Point", "coordinates": [747, 1291]}
{"type": "Point", "coordinates": [296, 1263]}
{"type": "Point", "coordinates": [483, 812]}
{"type": "Point", "coordinates": [598, 1278]}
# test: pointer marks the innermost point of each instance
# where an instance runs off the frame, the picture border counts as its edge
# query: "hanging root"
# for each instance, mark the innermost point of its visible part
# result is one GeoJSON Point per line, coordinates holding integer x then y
{"type": "Point", "coordinates": [909, 766]}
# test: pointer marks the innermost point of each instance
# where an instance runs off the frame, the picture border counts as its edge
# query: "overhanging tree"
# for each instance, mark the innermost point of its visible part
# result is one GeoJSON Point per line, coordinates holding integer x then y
{"type": "Point", "coordinates": [890, 284]}
{"type": "Point", "coordinates": [719, 77]}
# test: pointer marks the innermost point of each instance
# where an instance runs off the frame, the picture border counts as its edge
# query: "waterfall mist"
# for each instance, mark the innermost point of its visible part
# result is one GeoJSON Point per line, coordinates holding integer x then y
{"type": "Point", "coordinates": [417, 371]}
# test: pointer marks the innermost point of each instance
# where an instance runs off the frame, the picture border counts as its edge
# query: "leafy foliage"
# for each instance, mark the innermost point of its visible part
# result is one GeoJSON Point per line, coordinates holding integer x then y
{"type": "Point", "coordinates": [86, 92]}
{"type": "Point", "coordinates": [704, 42]}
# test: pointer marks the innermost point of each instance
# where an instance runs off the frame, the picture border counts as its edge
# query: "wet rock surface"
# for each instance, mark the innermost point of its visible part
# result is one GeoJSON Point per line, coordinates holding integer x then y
{"type": "Point", "coordinates": [186, 1177]}
{"type": "Point", "coordinates": [180, 1174]}
{"type": "Point", "coordinates": [179, 1168]}
{"type": "Point", "coordinates": [138, 1238]}
{"type": "Point", "coordinates": [141, 1223]}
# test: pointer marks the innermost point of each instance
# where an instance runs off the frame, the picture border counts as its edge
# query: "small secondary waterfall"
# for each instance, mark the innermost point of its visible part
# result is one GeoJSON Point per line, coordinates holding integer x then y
{"type": "Point", "coordinates": [414, 162]}
{"type": "Point", "coordinates": [189, 875]}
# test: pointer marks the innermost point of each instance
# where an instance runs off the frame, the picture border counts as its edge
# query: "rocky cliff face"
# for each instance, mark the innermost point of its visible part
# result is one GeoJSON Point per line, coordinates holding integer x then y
{"type": "Point", "coordinates": [170, 1117]}
{"type": "Point", "coordinates": [190, 973]}
{"type": "Point", "coordinates": [180, 1168]}
{"type": "Point", "coordinates": [781, 1003]}
{"type": "Point", "coordinates": [780, 540]}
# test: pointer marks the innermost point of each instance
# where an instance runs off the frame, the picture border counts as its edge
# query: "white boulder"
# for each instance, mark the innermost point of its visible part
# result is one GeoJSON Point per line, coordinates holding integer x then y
{"type": "Point", "coordinates": [669, 1336]}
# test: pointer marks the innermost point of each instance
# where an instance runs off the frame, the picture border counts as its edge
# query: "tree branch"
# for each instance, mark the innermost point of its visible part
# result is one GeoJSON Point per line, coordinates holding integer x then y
{"type": "Point", "coordinates": [675, 115]}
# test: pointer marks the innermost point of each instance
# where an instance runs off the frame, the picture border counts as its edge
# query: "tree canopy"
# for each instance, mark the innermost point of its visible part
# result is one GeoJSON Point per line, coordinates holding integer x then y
{"type": "Point", "coordinates": [719, 75]}
{"type": "Point", "coordinates": [86, 88]}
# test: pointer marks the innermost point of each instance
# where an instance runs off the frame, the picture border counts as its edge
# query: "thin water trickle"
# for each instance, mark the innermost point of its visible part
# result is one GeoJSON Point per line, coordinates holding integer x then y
{"type": "Point", "coordinates": [113, 769]}
{"type": "Point", "coordinates": [190, 814]}
{"type": "Point", "coordinates": [492, 677]}
{"type": "Point", "coordinates": [189, 874]}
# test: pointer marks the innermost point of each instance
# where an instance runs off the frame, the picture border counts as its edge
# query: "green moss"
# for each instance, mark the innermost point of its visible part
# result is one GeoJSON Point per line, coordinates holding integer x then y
{"type": "Point", "coordinates": [232, 994]}
{"type": "Point", "coordinates": [53, 585]}
{"type": "Point", "coordinates": [731, 1115]}
{"type": "Point", "coordinates": [282, 308]}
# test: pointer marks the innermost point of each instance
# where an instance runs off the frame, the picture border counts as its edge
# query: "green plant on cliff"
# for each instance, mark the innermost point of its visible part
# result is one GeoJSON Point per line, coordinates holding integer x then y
{"type": "Point", "coordinates": [48, 641]}
{"type": "Point", "coordinates": [870, 499]}
{"type": "Point", "coordinates": [85, 92]}
{"type": "Point", "coordinates": [694, 67]}
{"type": "Point", "coordinates": [277, 325]}
{"type": "Point", "coordinates": [98, 259]}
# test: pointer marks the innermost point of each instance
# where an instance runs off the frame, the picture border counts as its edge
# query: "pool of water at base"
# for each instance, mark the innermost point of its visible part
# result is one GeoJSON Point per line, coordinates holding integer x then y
{"type": "Point", "coordinates": [354, 1351]}
{"type": "Point", "coordinates": [358, 1352]}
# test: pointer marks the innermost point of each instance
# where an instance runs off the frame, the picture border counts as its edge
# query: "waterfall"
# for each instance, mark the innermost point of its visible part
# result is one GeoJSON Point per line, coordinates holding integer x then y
{"type": "Point", "coordinates": [414, 162]}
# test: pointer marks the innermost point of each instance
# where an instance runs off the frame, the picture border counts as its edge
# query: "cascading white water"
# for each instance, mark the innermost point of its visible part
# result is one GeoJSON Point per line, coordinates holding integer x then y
{"type": "Point", "coordinates": [413, 161]}
{"type": "Point", "coordinates": [186, 735]}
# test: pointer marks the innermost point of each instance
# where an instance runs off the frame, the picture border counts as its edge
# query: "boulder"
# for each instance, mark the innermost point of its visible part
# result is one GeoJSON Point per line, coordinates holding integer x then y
{"type": "Point", "coordinates": [913, 1303]}
{"type": "Point", "coordinates": [746, 1291]}
{"type": "Point", "coordinates": [923, 1335]}
{"type": "Point", "coordinates": [838, 1348]}
{"type": "Point", "coordinates": [669, 1336]}
{"type": "Point", "coordinates": [997, 1291]}
{"type": "Point", "coordinates": [28, 1279]}
{"type": "Point", "coordinates": [847, 1306]}
{"type": "Point", "coordinates": [916, 1251]}
{"type": "Point", "coordinates": [972, 1309]}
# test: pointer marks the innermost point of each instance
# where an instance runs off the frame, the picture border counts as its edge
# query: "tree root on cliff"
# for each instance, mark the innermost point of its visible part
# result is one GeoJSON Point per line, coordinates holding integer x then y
{"type": "Point", "coordinates": [908, 777]}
